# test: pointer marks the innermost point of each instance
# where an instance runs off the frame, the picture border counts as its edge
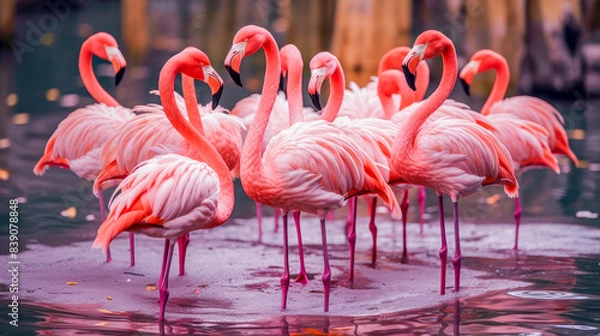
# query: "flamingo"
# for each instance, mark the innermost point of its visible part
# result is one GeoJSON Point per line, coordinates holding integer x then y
{"type": "Point", "coordinates": [140, 140]}
{"type": "Point", "coordinates": [374, 135]}
{"type": "Point", "coordinates": [526, 108]}
{"type": "Point", "coordinates": [451, 156]}
{"type": "Point", "coordinates": [311, 166]}
{"type": "Point", "coordinates": [77, 142]}
{"type": "Point", "coordinates": [291, 65]}
{"type": "Point", "coordinates": [170, 195]}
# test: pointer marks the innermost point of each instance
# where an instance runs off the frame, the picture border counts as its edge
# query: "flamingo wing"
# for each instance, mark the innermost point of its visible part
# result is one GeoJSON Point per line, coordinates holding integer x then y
{"type": "Point", "coordinates": [315, 167]}
{"type": "Point", "coordinates": [164, 197]}
{"type": "Point", "coordinates": [457, 157]}
{"type": "Point", "coordinates": [542, 113]}
{"type": "Point", "coordinates": [82, 131]}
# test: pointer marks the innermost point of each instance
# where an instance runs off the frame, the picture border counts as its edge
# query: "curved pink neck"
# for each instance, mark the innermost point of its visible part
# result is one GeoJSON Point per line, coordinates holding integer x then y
{"type": "Point", "coordinates": [500, 84]}
{"type": "Point", "coordinates": [294, 89]}
{"type": "Point", "coordinates": [166, 85]}
{"type": "Point", "coordinates": [337, 86]}
{"type": "Point", "coordinates": [191, 102]}
{"type": "Point", "coordinates": [393, 77]}
{"type": "Point", "coordinates": [251, 167]}
{"type": "Point", "coordinates": [89, 78]}
{"type": "Point", "coordinates": [407, 134]}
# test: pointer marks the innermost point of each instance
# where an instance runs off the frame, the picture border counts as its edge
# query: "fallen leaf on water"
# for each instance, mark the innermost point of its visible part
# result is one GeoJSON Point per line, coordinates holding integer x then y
{"type": "Point", "coordinates": [150, 288]}
{"type": "Point", "coordinates": [492, 199]}
{"type": "Point", "coordinates": [197, 290]}
{"type": "Point", "coordinates": [109, 297]}
{"type": "Point", "coordinates": [69, 213]}
{"type": "Point", "coordinates": [100, 324]}
{"type": "Point", "coordinates": [72, 283]}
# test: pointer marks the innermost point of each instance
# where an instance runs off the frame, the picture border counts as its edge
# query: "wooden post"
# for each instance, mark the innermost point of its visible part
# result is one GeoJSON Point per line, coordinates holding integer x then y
{"type": "Point", "coordinates": [554, 37]}
{"type": "Point", "coordinates": [7, 20]}
{"type": "Point", "coordinates": [136, 32]}
{"type": "Point", "coordinates": [365, 30]}
{"type": "Point", "coordinates": [496, 25]}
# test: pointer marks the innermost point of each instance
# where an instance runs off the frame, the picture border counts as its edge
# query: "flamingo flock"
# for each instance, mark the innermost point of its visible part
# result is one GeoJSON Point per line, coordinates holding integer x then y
{"type": "Point", "coordinates": [174, 164]}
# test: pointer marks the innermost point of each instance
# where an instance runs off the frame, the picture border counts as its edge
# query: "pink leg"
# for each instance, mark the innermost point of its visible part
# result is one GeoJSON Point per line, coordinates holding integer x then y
{"type": "Point", "coordinates": [285, 278]}
{"type": "Point", "coordinates": [517, 215]}
{"type": "Point", "coordinates": [131, 249]}
{"type": "Point", "coordinates": [164, 283]}
{"type": "Point", "coordinates": [276, 215]}
{"type": "Point", "coordinates": [259, 218]}
{"type": "Point", "coordinates": [404, 210]}
{"type": "Point", "coordinates": [102, 219]}
{"type": "Point", "coordinates": [352, 242]}
{"type": "Point", "coordinates": [444, 248]}
{"type": "Point", "coordinates": [373, 229]}
{"type": "Point", "coordinates": [351, 205]}
{"type": "Point", "coordinates": [456, 260]}
{"type": "Point", "coordinates": [164, 263]}
{"type": "Point", "coordinates": [183, 242]}
{"type": "Point", "coordinates": [326, 268]}
{"type": "Point", "coordinates": [302, 277]}
{"type": "Point", "coordinates": [421, 198]}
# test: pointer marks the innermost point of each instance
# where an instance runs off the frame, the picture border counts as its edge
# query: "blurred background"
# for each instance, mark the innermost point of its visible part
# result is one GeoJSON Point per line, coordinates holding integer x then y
{"type": "Point", "coordinates": [553, 48]}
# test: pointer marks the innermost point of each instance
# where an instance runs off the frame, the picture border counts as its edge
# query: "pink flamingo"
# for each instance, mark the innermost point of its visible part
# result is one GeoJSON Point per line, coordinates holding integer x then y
{"type": "Point", "coordinates": [291, 61]}
{"type": "Point", "coordinates": [374, 135]}
{"type": "Point", "coordinates": [151, 134]}
{"type": "Point", "coordinates": [77, 142]}
{"type": "Point", "coordinates": [451, 156]}
{"type": "Point", "coordinates": [170, 195]}
{"type": "Point", "coordinates": [311, 166]}
{"type": "Point", "coordinates": [525, 108]}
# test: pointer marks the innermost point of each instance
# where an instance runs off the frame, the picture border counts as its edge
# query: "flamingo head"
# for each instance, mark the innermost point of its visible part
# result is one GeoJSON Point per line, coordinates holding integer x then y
{"type": "Point", "coordinates": [427, 45]}
{"type": "Point", "coordinates": [392, 59]}
{"type": "Point", "coordinates": [197, 65]}
{"type": "Point", "coordinates": [322, 67]}
{"type": "Point", "coordinates": [290, 56]}
{"type": "Point", "coordinates": [105, 46]}
{"type": "Point", "coordinates": [389, 82]}
{"type": "Point", "coordinates": [483, 60]}
{"type": "Point", "coordinates": [248, 40]}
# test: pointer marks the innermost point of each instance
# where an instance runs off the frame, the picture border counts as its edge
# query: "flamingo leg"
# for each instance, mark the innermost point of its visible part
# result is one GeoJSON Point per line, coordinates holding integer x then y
{"type": "Point", "coordinates": [444, 248]}
{"type": "Point", "coordinates": [421, 196]}
{"type": "Point", "coordinates": [302, 277]}
{"type": "Point", "coordinates": [276, 215]}
{"type": "Point", "coordinates": [326, 268]}
{"type": "Point", "coordinates": [164, 263]}
{"type": "Point", "coordinates": [517, 215]}
{"type": "Point", "coordinates": [259, 218]}
{"type": "Point", "coordinates": [183, 242]}
{"type": "Point", "coordinates": [350, 217]}
{"type": "Point", "coordinates": [456, 260]}
{"type": "Point", "coordinates": [131, 249]}
{"type": "Point", "coordinates": [404, 210]}
{"type": "Point", "coordinates": [352, 241]}
{"type": "Point", "coordinates": [285, 278]}
{"type": "Point", "coordinates": [373, 229]}
{"type": "Point", "coordinates": [102, 218]}
{"type": "Point", "coordinates": [164, 283]}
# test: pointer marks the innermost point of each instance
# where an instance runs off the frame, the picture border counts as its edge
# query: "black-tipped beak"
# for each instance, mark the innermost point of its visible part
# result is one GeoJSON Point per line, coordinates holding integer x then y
{"type": "Point", "coordinates": [234, 75]}
{"type": "Point", "coordinates": [410, 77]}
{"type": "Point", "coordinates": [465, 86]}
{"type": "Point", "coordinates": [119, 76]}
{"type": "Point", "coordinates": [282, 83]}
{"type": "Point", "coordinates": [314, 98]}
{"type": "Point", "coordinates": [216, 98]}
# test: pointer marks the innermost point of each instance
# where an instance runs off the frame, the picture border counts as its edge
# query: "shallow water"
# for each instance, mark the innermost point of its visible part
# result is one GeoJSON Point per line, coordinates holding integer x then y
{"type": "Point", "coordinates": [563, 297]}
